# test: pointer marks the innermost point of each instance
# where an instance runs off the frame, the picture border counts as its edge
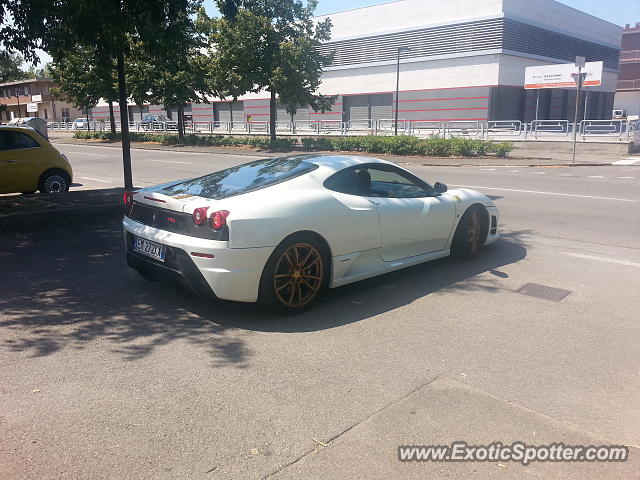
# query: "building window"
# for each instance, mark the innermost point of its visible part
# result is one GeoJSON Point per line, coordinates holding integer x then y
{"type": "Point", "coordinates": [65, 114]}
{"type": "Point", "coordinates": [46, 114]}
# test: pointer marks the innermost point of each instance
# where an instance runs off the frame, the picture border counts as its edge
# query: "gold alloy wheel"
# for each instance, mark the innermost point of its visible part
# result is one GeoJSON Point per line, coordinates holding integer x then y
{"type": "Point", "coordinates": [298, 275]}
{"type": "Point", "coordinates": [474, 231]}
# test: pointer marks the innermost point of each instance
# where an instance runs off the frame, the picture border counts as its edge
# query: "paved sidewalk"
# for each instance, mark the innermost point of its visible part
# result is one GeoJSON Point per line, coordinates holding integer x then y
{"type": "Point", "coordinates": [522, 156]}
{"type": "Point", "coordinates": [438, 413]}
{"type": "Point", "coordinates": [21, 212]}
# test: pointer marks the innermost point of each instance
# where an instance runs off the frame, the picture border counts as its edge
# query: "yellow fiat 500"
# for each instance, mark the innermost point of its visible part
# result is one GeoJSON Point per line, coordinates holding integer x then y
{"type": "Point", "coordinates": [28, 162]}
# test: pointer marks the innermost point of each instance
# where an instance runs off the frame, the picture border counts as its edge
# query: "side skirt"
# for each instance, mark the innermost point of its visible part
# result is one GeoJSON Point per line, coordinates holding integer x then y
{"type": "Point", "coordinates": [375, 268]}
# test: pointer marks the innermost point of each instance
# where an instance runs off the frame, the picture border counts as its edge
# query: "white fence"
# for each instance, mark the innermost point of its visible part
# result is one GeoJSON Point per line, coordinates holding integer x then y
{"type": "Point", "coordinates": [618, 130]}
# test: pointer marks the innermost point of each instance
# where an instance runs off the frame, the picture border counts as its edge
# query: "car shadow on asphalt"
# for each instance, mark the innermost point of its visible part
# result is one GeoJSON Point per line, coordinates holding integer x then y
{"type": "Point", "coordinates": [67, 286]}
{"type": "Point", "coordinates": [367, 298]}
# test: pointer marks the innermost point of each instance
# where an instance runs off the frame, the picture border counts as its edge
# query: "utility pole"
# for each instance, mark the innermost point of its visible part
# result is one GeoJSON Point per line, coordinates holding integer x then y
{"type": "Point", "coordinates": [400, 49]}
{"type": "Point", "coordinates": [579, 78]}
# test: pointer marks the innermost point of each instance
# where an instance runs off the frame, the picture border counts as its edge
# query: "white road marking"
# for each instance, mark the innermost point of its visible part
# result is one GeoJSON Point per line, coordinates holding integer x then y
{"type": "Point", "coordinates": [514, 171]}
{"type": "Point", "coordinates": [567, 175]}
{"type": "Point", "coordinates": [595, 176]}
{"type": "Point", "coordinates": [96, 179]}
{"type": "Point", "coordinates": [92, 154]}
{"type": "Point", "coordinates": [488, 169]}
{"type": "Point", "coordinates": [168, 161]}
{"type": "Point", "coordinates": [539, 173]}
{"type": "Point", "coordinates": [602, 259]}
{"type": "Point", "coordinates": [546, 193]}
{"type": "Point", "coordinates": [627, 177]}
{"type": "Point", "coordinates": [627, 161]}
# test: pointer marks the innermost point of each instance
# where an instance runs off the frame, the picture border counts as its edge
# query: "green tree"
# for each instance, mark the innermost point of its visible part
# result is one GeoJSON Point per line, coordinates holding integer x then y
{"type": "Point", "coordinates": [268, 45]}
{"type": "Point", "coordinates": [11, 67]}
{"type": "Point", "coordinates": [84, 76]}
{"type": "Point", "coordinates": [109, 25]}
{"type": "Point", "coordinates": [156, 74]}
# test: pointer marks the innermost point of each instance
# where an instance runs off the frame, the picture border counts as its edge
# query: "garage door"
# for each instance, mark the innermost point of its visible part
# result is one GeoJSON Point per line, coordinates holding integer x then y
{"type": "Point", "coordinates": [357, 107]}
{"type": "Point", "coordinates": [381, 107]}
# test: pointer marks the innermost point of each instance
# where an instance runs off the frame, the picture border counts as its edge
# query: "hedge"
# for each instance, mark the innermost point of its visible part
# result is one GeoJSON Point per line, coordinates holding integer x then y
{"type": "Point", "coordinates": [400, 145]}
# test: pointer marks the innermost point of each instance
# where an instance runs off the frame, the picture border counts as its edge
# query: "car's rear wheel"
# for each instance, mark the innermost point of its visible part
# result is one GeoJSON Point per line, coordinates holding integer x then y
{"type": "Point", "coordinates": [54, 181]}
{"type": "Point", "coordinates": [295, 275]}
{"type": "Point", "coordinates": [471, 232]}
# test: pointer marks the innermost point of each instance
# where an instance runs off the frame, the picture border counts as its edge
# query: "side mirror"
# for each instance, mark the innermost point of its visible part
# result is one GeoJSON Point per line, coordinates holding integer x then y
{"type": "Point", "coordinates": [440, 187]}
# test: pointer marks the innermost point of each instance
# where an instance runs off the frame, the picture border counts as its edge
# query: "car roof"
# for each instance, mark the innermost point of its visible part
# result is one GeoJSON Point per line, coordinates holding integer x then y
{"type": "Point", "coordinates": [340, 162]}
{"type": "Point", "coordinates": [19, 128]}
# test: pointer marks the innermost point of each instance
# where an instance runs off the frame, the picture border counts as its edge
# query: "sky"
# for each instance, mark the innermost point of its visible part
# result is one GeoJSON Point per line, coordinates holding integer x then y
{"type": "Point", "coordinates": [619, 12]}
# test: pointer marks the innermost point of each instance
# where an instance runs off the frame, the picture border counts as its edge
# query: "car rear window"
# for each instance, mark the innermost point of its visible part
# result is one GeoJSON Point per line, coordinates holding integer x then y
{"type": "Point", "coordinates": [244, 178]}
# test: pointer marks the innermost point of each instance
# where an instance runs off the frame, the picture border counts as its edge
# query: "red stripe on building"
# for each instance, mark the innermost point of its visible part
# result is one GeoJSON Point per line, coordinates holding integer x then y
{"type": "Point", "coordinates": [447, 120]}
{"type": "Point", "coordinates": [441, 99]}
{"type": "Point", "coordinates": [444, 109]}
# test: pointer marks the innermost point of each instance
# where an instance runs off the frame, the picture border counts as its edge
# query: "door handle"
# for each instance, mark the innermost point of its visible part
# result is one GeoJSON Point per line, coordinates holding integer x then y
{"type": "Point", "coordinates": [375, 203]}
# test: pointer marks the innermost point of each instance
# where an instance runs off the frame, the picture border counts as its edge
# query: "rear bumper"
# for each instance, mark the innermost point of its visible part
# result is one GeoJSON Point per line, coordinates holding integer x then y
{"type": "Point", "coordinates": [233, 273]}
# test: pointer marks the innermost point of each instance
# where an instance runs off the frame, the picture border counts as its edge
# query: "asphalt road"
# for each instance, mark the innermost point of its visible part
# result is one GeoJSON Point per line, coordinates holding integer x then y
{"type": "Point", "coordinates": [105, 375]}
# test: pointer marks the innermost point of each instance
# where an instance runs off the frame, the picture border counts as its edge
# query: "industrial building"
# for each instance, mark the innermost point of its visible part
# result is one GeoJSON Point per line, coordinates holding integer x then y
{"type": "Point", "coordinates": [462, 60]}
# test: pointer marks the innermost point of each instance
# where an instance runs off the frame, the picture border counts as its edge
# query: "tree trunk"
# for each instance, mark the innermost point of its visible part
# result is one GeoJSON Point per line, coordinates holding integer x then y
{"type": "Point", "coordinates": [180, 122]}
{"type": "Point", "coordinates": [124, 122]}
{"type": "Point", "coordinates": [272, 115]}
{"type": "Point", "coordinates": [112, 118]}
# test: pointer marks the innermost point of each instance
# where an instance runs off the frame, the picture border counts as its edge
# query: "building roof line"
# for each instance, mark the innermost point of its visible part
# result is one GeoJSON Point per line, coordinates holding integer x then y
{"type": "Point", "coordinates": [25, 81]}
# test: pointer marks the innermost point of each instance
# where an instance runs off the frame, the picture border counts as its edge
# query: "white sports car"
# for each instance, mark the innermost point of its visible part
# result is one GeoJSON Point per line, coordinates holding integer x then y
{"type": "Point", "coordinates": [280, 230]}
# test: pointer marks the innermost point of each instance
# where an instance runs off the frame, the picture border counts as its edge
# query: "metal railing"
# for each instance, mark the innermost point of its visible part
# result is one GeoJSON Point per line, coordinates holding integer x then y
{"type": "Point", "coordinates": [550, 127]}
{"type": "Point", "coordinates": [503, 129]}
{"type": "Point", "coordinates": [609, 128]}
{"type": "Point", "coordinates": [628, 84]}
{"type": "Point", "coordinates": [630, 56]}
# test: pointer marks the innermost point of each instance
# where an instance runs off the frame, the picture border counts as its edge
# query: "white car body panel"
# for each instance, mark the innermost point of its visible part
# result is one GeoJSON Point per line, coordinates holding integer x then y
{"type": "Point", "coordinates": [367, 236]}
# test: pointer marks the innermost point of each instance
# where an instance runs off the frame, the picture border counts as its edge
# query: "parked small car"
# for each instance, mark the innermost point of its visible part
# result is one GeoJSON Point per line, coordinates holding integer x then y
{"type": "Point", "coordinates": [149, 120]}
{"type": "Point", "coordinates": [80, 124]}
{"type": "Point", "coordinates": [28, 162]}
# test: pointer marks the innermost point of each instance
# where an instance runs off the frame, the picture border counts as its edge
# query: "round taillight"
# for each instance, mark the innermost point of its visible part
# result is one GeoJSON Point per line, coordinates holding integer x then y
{"type": "Point", "coordinates": [127, 198]}
{"type": "Point", "coordinates": [200, 215]}
{"type": "Point", "coordinates": [219, 219]}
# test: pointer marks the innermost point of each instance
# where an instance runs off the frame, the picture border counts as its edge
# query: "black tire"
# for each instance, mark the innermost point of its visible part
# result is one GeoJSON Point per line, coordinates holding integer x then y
{"type": "Point", "coordinates": [54, 181]}
{"type": "Point", "coordinates": [471, 232]}
{"type": "Point", "coordinates": [295, 275]}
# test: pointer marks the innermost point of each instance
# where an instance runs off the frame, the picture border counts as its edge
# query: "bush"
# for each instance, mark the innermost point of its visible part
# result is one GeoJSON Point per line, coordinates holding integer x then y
{"type": "Point", "coordinates": [400, 145]}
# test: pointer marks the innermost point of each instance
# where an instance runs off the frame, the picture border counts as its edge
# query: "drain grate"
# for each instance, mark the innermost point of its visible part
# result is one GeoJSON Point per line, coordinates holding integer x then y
{"type": "Point", "coordinates": [543, 291]}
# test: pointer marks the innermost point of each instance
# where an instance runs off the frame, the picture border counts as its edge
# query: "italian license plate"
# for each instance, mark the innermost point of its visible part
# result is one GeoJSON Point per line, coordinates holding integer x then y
{"type": "Point", "coordinates": [150, 249]}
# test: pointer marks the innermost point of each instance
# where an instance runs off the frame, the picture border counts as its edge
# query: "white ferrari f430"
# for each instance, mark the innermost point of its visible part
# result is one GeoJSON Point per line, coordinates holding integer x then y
{"type": "Point", "coordinates": [281, 230]}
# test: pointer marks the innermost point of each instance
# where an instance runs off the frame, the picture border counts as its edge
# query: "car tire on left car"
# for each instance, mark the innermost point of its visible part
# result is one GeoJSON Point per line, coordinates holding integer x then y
{"type": "Point", "coordinates": [54, 181]}
{"type": "Point", "coordinates": [295, 275]}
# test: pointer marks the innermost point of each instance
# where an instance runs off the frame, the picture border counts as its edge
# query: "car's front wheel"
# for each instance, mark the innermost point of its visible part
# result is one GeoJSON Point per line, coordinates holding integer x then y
{"type": "Point", "coordinates": [54, 181]}
{"type": "Point", "coordinates": [471, 232]}
{"type": "Point", "coordinates": [295, 275]}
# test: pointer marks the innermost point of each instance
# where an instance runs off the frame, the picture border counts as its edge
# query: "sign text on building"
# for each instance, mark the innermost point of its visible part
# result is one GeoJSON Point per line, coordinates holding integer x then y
{"type": "Point", "coordinates": [559, 76]}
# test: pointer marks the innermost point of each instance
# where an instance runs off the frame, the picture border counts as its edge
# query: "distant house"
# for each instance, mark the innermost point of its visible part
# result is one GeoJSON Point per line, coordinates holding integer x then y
{"type": "Point", "coordinates": [32, 98]}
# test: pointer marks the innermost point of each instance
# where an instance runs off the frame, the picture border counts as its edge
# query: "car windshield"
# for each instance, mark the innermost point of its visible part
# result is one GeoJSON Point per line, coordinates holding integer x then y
{"type": "Point", "coordinates": [243, 178]}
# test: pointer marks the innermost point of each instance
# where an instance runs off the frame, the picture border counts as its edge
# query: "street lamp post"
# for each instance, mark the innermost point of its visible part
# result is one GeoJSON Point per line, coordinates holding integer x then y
{"type": "Point", "coordinates": [400, 49]}
{"type": "Point", "coordinates": [579, 78]}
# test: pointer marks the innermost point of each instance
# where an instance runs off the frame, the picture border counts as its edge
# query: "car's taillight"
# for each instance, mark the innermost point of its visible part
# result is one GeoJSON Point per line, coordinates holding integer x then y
{"type": "Point", "coordinates": [127, 199]}
{"type": "Point", "coordinates": [219, 219]}
{"type": "Point", "coordinates": [200, 215]}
